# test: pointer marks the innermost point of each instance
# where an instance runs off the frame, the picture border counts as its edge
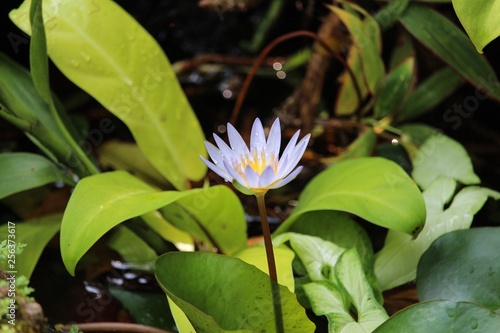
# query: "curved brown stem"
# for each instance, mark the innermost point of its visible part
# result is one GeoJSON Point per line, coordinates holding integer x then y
{"type": "Point", "coordinates": [262, 56]}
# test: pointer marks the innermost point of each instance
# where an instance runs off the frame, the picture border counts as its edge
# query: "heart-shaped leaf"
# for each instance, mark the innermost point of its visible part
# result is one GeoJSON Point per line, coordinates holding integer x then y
{"type": "Point", "coordinates": [223, 294]}
{"type": "Point", "coordinates": [441, 156]}
{"type": "Point", "coordinates": [397, 262]}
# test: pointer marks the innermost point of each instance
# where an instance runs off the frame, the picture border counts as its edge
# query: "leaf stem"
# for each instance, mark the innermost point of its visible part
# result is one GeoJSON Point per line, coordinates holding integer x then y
{"type": "Point", "coordinates": [271, 264]}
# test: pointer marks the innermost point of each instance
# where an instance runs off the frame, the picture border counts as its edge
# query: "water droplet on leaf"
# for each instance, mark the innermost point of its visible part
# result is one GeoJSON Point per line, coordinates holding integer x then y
{"type": "Point", "coordinates": [474, 323]}
{"type": "Point", "coordinates": [85, 56]}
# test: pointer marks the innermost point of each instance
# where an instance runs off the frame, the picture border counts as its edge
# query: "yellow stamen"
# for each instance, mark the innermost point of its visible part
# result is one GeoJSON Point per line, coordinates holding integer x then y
{"type": "Point", "coordinates": [257, 161]}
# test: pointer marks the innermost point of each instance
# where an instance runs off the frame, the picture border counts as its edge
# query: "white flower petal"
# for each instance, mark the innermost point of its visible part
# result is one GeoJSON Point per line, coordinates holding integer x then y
{"type": "Point", "coordinates": [218, 170]}
{"type": "Point", "coordinates": [257, 137]}
{"type": "Point", "coordinates": [237, 143]}
{"type": "Point", "coordinates": [252, 177]}
{"type": "Point", "coordinates": [274, 139]}
{"type": "Point", "coordinates": [214, 153]}
{"type": "Point", "coordinates": [288, 178]}
{"type": "Point", "coordinates": [295, 156]}
{"type": "Point", "coordinates": [266, 178]}
{"type": "Point", "coordinates": [288, 149]}
{"type": "Point", "coordinates": [225, 151]}
{"type": "Point", "coordinates": [234, 174]}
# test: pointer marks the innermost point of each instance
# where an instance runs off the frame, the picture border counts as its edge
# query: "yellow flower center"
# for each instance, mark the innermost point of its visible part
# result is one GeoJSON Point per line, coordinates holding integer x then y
{"type": "Point", "coordinates": [258, 162]}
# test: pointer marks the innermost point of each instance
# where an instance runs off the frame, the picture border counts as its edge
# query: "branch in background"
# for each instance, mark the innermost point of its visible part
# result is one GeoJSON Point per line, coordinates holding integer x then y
{"type": "Point", "coordinates": [309, 93]}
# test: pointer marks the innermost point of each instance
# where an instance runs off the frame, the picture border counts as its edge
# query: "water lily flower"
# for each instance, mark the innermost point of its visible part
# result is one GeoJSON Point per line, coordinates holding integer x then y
{"type": "Point", "coordinates": [256, 169]}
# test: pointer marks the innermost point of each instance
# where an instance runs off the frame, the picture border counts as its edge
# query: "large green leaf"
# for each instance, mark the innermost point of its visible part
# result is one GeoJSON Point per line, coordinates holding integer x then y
{"type": "Point", "coordinates": [255, 256]}
{"type": "Point", "coordinates": [430, 93]}
{"type": "Point", "coordinates": [463, 265]}
{"type": "Point", "coordinates": [442, 316]}
{"type": "Point", "coordinates": [441, 156]}
{"type": "Point", "coordinates": [449, 43]}
{"type": "Point", "coordinates": [373, 188]}
{"type": "Point", "coordinates": [24, 171]}
{"type": "Point", "coordinates": [223, 294]}
{"type": "Point", "coordinates": [397, 262]}
{"type": "Point", "coordinates": [108, 54]}
{"type": "Point", "coordinates": [35, 233]}
{"type": "Point", "coordinates": [395, 89]}
{"type": "Point", "coordinates": [480, 20]}
{"type": "Point", "coordinates": [102, 201]}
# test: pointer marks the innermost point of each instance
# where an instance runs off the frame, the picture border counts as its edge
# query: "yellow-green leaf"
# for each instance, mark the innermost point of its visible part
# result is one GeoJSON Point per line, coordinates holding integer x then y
{"type": "Point", "coordinates": [104, 51]}
{"type": "Point", "coordinates": [480, 20]}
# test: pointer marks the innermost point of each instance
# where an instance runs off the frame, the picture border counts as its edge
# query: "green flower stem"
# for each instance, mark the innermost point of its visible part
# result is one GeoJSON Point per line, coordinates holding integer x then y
{"type": "Point", "coordinates": [271, 263]}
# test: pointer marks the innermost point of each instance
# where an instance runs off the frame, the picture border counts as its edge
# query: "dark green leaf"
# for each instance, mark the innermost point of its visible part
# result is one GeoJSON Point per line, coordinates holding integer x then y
{"type": "Point", "coordinates": [146, 308]}
{"type": "Point", "coordinates": [222, 294]}
{"type": "Point", "coordinates": [449, 43]}
{"type": "Point", "coordinates": [442, 316]}
{"type": "Point", "coordinates": [24, 171]}
{"type": "Point", "coordinates": [38, 53]}
{"type": "Point", "coordinates": [430, 93]}
{"type": "Point", "coordinates": [463, 265]}
{"type": "Point", "coordinates": [403, 49]}
{"type": "Point", "coordinates": [389, 14]}
{"type": "Point", "coordinates": [23, 107]}
{"type": "Point", "coordinates": [395, 89]}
